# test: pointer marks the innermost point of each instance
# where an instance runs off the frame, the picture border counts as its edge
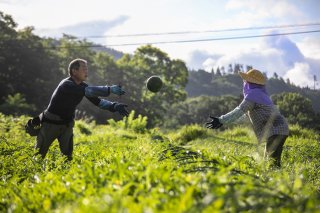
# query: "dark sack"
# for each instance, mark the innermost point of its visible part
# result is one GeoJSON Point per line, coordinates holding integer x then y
{"type": "Point", "coordinates": [33, 126]}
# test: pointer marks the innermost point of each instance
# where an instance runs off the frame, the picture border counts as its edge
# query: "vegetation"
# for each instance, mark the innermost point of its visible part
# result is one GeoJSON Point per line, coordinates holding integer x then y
{"type": "Point", "coordinates": [118, 169]}
{"type": "Point", "coordinates": [197, 110]}
{"type": "Point", "coordinates": [297, 109]}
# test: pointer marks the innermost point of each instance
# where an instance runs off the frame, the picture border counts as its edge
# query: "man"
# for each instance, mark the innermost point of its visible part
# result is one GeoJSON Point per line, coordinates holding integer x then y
{"type": "Point", "coordinates": [58, 118]}
{"type": "Point", "coordinates": [268, 124]}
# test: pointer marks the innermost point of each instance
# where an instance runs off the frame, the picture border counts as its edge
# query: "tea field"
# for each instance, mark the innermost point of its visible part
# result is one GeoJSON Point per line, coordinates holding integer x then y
{"type": "Point", "coordinates": [125, 167]}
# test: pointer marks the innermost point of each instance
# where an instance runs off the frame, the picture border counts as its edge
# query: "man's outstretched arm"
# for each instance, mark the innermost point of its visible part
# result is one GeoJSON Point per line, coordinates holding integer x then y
{"type": "Point", "coordinates": [103, 91]}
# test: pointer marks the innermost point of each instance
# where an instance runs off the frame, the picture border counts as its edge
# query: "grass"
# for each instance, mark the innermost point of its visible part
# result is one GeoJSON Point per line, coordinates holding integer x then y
{"type": "Point", "coordinates": [124, 167]}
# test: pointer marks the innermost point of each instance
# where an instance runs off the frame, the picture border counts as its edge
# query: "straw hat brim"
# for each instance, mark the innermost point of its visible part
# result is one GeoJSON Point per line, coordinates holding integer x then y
{"type": "Point", "coordinates": [250, 79]}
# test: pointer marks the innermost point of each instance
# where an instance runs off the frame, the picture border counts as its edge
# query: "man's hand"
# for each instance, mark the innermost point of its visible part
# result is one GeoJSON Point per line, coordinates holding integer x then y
{"type": "Point", "coordinates": [115, 89]}
{"type": "Point", "coordinates": [121, 109]}
{"type": "Point", "coordinates": [214, 123]}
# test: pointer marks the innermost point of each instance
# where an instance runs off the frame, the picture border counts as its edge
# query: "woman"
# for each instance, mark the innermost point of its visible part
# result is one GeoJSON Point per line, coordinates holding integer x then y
{"type": "Point", "coordinates": [268, 124]}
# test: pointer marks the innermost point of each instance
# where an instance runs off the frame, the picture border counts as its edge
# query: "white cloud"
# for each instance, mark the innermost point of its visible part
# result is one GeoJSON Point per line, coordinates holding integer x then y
{"type": "Point", "coordinates": [90, 28]}
{"type": "Point", "coordinates": [208, 62]}
{"type": "Point", "coordinates": [270, 8]}
{"type": "Point", "coordinates": [300, 74]}
{"type": "Point", "coordinates": [310, 46]}
{"type": "Point", "coordinates": [201, 59]}
{"type": "Point", "coordinates": [267, 60]}
{"type": "Point", "coordinates": [14, 2]}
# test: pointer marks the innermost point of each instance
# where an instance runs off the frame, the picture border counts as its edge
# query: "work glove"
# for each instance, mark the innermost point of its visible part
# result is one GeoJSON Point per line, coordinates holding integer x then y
{"type": "Point", "coordinates": [214, 123]}
{"type": "Point", "coordinates": [119, 107]}
{"type": "Point", "coordinates": [115, 89]}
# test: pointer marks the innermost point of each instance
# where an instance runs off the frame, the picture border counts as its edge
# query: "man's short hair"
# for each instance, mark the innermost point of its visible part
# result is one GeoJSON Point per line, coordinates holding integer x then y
{"type": "Point", "coordinates": [75, 64]}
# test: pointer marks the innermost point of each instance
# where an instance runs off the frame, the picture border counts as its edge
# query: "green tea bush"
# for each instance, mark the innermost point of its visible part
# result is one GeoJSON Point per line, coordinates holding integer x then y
{"type": "Point", "coordinates": [189, 133]}
{"type": "Point", "coordinates": [83, 127]}
{"type": "Point", "coordinates": [138, 125]}
{"type": "Point", "coordinates": [240, 133]}
{"type": "Point", "coordinates": [297, 131]}
{"type": "Point", "coordinates": [191, 170]}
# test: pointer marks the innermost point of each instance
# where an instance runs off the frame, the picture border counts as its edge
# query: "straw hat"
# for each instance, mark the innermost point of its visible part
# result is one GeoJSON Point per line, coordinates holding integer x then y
{"type": "Point", "coordinates": [253, 76]}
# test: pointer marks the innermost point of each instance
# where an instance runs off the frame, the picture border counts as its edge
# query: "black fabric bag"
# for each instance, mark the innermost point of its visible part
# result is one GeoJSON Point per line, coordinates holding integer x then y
{"type": "Point", "coordinates": [33, 126]}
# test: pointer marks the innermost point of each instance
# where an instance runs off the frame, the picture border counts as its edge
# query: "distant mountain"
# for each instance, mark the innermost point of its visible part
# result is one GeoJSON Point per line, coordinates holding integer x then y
{"type": "Point", "coordinates": [115, 53]}
{"type": "Point", "coordinates": [94, 46]}
{"type": "Point", "coordinates": [212, 84]}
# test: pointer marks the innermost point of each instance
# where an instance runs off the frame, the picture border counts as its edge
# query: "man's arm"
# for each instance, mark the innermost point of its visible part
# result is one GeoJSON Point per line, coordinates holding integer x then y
{"type": "Point", "coordinates": [103, 91]}
{"type": "Point", "coordinates": [114, 107]}
{"type": "Point", "coordinates": [93, 92]}
{"type": "Point", "coordinates": [97, 91]}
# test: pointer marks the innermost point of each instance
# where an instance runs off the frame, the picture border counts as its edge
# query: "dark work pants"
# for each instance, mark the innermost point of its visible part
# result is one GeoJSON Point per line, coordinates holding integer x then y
{"type": "Point", "coordinates": [49, 132]}
{"type": "Point", "coordinates": [274, 148]}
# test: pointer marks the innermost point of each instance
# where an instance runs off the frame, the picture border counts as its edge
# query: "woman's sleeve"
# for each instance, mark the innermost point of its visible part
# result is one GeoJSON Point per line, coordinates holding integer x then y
{"type": "Point", "coordinates": [237, 113]}
{"type": "Point", "coordinates": [231, 116]}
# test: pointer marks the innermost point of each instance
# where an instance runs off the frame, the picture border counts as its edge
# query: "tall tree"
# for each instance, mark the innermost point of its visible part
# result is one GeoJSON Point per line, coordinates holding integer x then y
{"type": "Point", "coordinates": [8, 36]}
{"type": "Point", "coordinates": [296, 108]}
{"type": "Point", "coordinates": [26, 64]}
{"type": "Point", "coordinates": [148, 61]}
{"type": "Point", "coordinates": [218, 72]}
{"type": "Point", "coordinates": [230, 69]}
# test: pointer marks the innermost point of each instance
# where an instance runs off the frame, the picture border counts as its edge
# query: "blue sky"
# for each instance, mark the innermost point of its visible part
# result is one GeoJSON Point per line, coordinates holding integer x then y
{"type": "Point", "coordinates": [296, 57]}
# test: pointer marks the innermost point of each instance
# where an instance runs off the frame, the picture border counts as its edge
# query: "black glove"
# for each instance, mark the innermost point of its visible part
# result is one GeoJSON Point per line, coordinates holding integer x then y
{"type": "Point", "coordinates": [119, 107]}
{"type": "Point", "coordinates": [214, 123]}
